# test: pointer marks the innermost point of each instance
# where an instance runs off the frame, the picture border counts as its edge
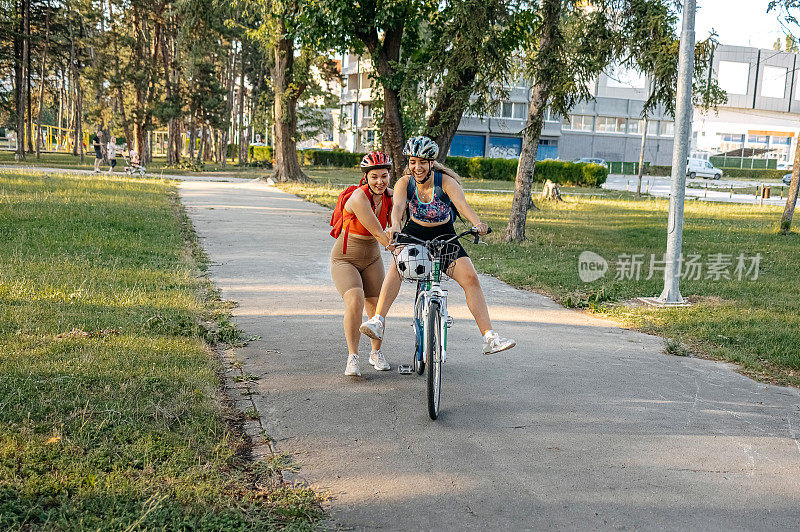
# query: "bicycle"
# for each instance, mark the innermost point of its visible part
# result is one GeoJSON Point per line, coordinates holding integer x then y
{"type": "Point", "coordinates": [431, 319]}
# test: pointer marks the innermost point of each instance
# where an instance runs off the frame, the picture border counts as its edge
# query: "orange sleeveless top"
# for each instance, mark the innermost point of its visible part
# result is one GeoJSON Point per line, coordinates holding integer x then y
{"type": "Point", "coordinates": [351, 223]}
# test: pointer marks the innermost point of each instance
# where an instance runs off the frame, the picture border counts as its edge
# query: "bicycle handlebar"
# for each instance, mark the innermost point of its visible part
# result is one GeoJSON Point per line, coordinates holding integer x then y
{"type": "Point", "coordinates": [472, 231]}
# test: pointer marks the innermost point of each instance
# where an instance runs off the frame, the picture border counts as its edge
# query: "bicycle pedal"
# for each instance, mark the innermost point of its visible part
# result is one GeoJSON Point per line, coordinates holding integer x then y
{"type": "Point", "coordinates": [450, 321]}
{"type": "Point", "coordinates": [405, 369]}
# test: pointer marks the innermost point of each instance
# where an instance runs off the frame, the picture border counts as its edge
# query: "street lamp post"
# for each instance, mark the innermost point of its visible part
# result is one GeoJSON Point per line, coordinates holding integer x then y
{"type": "Point", "coordinates": [683, 130]}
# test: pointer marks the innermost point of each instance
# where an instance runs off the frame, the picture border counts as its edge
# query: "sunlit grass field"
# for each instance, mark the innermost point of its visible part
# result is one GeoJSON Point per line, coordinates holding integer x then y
{"type": "Point", "coordinates": [753, 322]}
{"type": "Point", "coordinates": [111, 414]}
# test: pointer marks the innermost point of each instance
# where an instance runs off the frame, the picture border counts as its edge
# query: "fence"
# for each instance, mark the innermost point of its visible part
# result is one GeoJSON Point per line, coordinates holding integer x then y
{"type": "Point", "coordinates": [56, 139]}
{"type": "Point", "coordinates": [751, 163]}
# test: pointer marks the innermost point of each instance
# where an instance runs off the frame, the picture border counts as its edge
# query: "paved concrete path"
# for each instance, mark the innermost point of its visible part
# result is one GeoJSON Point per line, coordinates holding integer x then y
{"type": "Point", "coordinates": [582, 426]}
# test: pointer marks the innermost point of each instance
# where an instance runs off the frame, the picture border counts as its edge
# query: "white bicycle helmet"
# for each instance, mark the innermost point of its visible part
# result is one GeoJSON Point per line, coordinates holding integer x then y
{"type": "Point", "coordinates": [422, 147]}
{"type": "Point", "coordinates": [414, 262]}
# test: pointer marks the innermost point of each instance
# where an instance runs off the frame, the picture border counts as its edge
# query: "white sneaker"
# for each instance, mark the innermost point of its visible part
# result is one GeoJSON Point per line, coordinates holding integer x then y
{"type": "Point", "coordinates": [378, 362]}
{"type": "Point", "coordinates": [493, 343]}
{"type": "Point", "coordinates": [373, 328]}
{"type": "Point", "coordinates": [352, 366]}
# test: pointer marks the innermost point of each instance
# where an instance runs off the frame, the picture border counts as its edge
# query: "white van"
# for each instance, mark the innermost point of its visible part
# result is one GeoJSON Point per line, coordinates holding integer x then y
{"type": "Point", "coordinates": [701, 168]}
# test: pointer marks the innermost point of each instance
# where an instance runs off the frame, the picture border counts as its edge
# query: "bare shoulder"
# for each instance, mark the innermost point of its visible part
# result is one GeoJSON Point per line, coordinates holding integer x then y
{"type": "Point", "coordinates": [450, 184]}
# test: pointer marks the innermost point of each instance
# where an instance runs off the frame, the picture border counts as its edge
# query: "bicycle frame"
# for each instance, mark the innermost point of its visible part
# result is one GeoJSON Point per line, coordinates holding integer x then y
{"type": "Point", "coordinates": [429, 291]}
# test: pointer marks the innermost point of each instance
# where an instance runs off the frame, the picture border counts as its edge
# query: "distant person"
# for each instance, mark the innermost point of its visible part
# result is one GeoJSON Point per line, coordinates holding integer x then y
{"type": "Point", "coordinates": [98, 154]}
{"type": "Point", "coordinates": [112, 154]}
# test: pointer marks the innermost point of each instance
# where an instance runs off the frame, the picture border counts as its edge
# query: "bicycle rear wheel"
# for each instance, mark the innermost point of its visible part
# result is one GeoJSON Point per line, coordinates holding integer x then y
{"type": "Point", "coordinates": [433, 333]}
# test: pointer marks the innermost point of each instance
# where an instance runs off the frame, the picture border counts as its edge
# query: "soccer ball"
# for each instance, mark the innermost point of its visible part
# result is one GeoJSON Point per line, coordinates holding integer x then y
{"type": "Point", "coordinates": [414, 262]}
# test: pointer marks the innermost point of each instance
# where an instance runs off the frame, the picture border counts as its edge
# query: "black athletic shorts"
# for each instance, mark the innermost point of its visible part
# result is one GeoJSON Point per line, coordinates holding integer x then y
{"type": "Point", "coordinates": [429, 233]}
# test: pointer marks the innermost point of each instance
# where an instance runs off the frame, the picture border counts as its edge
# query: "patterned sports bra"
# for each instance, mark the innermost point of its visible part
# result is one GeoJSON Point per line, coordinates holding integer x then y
{"type": "Point", "coordinates": [437, 210]}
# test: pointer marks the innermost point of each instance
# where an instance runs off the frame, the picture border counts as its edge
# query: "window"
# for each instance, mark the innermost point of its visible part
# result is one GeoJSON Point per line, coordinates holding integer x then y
{"type": "Point", "coordinates": [782, 140]}
{"type": "Point", "coordinates": [610, 124]}
{"type": "Point", "coordinates": [667, 128]}
{"type": "Point", "coordinates": [521, 110]}
{"type": "Point", "coordinates": [757, 139]}
{"type": "Point", "coordinates": [635, 126]}
{"type": "Point", "coordinates": [652, 127]}
{"type": "Point", "coordinates": [734, 77]}
{"type": "Point", "coordinates": [506, 109]}
{"type": "Point", "coordinates": [370, 136]}
{"type": "Point", "coordinates": [773, 84]}
{"type": "Point", "coordinates": [366, 111]}
{"type": "Point", "coordinates": [578, 122]}
{"type": "Point", "coordinates": [731, 137]}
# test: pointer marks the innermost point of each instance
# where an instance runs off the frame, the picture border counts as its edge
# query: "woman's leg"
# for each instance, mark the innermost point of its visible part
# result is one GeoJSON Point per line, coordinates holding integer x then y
{"type": "Point", "coordinates": [465, 275]}
{"type": "Point", "coordinates": [389, 290]}
{"type": "Point", "coordinates": [370, 304]}
{"type": "Point", "coordinates": [353, 311]}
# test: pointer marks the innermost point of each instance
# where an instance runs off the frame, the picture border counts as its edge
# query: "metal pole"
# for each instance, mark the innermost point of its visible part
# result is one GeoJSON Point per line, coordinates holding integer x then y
{"type": "Point", "coordinates": [683, 130]}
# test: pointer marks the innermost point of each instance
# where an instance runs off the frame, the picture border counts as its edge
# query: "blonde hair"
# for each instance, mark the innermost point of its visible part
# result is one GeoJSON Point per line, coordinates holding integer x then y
{"type": "Point", "coordinates": [440, 167]}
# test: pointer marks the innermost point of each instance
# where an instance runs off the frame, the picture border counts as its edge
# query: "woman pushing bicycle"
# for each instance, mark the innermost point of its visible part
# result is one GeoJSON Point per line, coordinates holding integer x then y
{"type": "Point", "coordinates": [429, 196]}
{"type": "Point", "coordinates": [356, 264]}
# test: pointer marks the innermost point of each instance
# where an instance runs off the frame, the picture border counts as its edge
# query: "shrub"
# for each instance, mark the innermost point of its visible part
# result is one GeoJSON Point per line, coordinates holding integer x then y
{"type": "Point", "coordinates": [658, 171]}
{"type": "Point", "coordinates": [561, 172]}
{"type": "Point", "coordinates": [666, 171]}
{"type": "Point", "coordinates": [260, 153]}
{"type": "Point", "coordinates": [340, 158]}
{"type": "Point", "coordinates": [758, 174]}
{"type": "Point", "coordinates": [458, 164]}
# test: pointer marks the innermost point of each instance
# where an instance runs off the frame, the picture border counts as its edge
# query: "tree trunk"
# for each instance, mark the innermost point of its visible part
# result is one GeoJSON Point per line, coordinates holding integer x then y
{"type": "Point", "coordinates": [19, 80]}
{"type": "Point", "coordinates": [41, 88]}
{"type": "Point", "coordinates": [551, 13]}
{"type": "Point", "coordinates": [791, 199]}
{"type": "Point", "coordinates": [287, 167]}
{"type": "Point", "coordinates": [28, 103]}
{"type": "Point", "coordinates": [451, 101]}
{"type": "Point", "coordinates": [384, 56]}
{"type": "Point", "coordinates": [641, 159]}
{"type": "Point", "coordinates": [60, 111]}
{"type": "Point", "coordinates": [192, 137]}
{"type": "Point", "coordinates": [242, 147]}
{"type": "Point", "coordinates": [551, 191]}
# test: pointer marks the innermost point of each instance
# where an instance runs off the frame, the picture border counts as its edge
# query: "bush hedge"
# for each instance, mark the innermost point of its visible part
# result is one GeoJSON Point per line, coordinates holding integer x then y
{"type": "Point", "coordinates": [666, 171]}
{"type": "Point", "coordinates": [561, 172]}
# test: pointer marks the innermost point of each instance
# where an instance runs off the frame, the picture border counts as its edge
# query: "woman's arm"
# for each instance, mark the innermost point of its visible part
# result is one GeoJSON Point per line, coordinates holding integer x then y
{"type": "Point", "coordinates": [456, 194]}
{"type": "Point", "coordinates": [359, 205]}
{"type": "Point", "coordinates": [399, 200]}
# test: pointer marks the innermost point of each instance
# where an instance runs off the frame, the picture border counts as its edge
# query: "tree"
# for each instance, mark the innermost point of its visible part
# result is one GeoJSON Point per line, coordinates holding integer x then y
{"type": "Point", "coordinates": [787, 11]}
{"type": "Point", "coordinates": [470, 58]}
{"type": "Point", "coordinates": [575, 41]}
{"type": "Point", "coordinates": [654, 49]}
{"type": "Point", "coordinates": [572, 45]}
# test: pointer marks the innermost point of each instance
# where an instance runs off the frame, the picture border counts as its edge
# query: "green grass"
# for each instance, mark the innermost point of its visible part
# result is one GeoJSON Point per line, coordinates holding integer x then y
{"type": "Point", "coordinates": [158, 166]}
{"type": "Point", "coordinates": [750, 322]}
{"type": "Point", "coordinates": [111, 410]}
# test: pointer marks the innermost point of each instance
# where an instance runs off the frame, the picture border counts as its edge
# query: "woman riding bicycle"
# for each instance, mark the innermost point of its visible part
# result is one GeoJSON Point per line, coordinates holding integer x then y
{"type": "Point", "coordinates": [430, 216]}
{"type": "Point", "coordinates": [356, 264]}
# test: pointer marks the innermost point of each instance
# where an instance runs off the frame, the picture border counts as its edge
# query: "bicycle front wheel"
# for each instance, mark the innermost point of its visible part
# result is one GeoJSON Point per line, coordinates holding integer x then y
{"type": "Point", "coordinates": [433, 343]}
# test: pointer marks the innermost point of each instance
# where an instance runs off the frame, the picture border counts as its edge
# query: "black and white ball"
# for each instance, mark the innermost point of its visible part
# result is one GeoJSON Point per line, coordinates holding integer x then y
{"type": "Point", "coordinates": [414, 262]}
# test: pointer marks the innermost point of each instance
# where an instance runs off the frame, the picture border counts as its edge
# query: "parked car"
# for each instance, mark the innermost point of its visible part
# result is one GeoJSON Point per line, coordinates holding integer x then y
{"type": "Point", "coordinates": [787, 179]}
{"type": "Point", "coordinates": [701, 168]}
{"type": "Point", "coordinates": [785, 165]}
{"type": "Point", "coordinates": [601, 162]}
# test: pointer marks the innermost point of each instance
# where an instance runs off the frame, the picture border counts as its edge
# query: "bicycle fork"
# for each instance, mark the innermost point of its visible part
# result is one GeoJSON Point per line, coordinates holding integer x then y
{"type": "Point", "coordinates": [445, 321]}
